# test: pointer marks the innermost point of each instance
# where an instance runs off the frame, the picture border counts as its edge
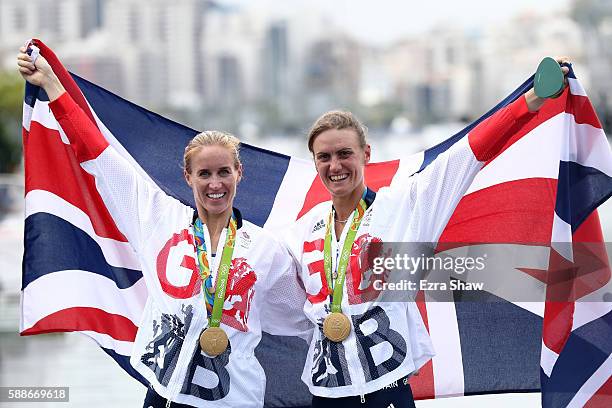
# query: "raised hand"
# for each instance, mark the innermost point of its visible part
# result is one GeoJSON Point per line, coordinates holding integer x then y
{"type": "Point", "coordinates": [39, 73]}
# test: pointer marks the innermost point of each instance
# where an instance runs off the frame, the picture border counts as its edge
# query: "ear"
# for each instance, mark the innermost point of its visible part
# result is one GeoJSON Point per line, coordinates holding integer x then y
{"type": "Point", "coordinates": [187, 177]}
{"type": "Point", "coordinates": [239, 173]}
{"type": "Point", "coordinates": [367, 151]}
{"type": "Point", "coordinates": [315, 164]}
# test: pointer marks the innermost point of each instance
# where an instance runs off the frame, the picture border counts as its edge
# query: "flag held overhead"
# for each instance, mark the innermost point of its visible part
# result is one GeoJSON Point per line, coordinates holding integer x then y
{"type": "Point", "coordinates": [513, 200]}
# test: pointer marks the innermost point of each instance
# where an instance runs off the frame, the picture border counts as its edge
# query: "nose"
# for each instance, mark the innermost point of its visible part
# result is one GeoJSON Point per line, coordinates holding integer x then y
{"type": "Point", "coordinates": [334, 165]}
{"type": "Point", "coordinates": [215, 183]}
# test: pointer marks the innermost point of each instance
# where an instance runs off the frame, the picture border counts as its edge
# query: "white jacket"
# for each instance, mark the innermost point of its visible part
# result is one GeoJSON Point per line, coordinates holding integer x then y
{"type": "Point", "coordinates": [388, 340]}
{"type": "Point", "coordinates": [263, 290]}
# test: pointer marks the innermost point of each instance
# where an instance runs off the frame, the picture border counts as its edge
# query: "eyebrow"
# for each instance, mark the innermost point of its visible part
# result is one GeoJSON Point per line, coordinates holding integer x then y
{"type": "Point", "coordinates": [220, 168]}
{"type": "Point", "coordinates": [342, 150]}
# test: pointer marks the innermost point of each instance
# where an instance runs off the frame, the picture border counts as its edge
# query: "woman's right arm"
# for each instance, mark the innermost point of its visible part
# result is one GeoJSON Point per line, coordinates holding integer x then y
{"type": "Point", "coordinates": [135, 203]}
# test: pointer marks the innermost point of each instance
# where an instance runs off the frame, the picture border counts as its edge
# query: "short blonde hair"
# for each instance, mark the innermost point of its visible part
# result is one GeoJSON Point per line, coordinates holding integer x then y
{"type": "Point", "coordinates": [212, 138]}
{"type": "Point", "coordinates": [337, 120]}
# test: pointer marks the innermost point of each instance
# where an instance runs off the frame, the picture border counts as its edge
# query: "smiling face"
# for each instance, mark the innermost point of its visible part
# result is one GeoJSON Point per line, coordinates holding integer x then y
{"type": "Point", "coordinates": [340, 161]}
{"type": "Point", "coordinates": [213, 178]}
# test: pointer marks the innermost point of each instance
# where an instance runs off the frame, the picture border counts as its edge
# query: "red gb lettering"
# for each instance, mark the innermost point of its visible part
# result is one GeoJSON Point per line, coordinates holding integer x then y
{"type": "Point", "coordinates": [188, 263]}
{"type": "Point", "coordinates": [360, 278]}
{"type": "Point", "coordinates": [317, 268]}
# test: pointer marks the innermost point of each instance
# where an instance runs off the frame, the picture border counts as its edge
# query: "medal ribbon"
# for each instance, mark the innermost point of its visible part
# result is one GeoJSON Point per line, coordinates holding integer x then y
{"type": "Point", "coordinates": [344, 256]}
{"type": "Point", "coordinates": [214, 300]}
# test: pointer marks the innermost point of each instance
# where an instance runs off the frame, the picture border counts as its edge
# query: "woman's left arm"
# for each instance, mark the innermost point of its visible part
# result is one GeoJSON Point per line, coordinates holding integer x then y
{"type": "Point", "coordinates": [430, 197]}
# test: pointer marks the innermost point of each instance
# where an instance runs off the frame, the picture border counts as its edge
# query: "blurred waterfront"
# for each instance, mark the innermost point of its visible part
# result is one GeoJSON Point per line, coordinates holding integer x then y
{"type": "Point", "coordinates": [273, 67]}
{"type": "Point", "coordinates": [94, 379]}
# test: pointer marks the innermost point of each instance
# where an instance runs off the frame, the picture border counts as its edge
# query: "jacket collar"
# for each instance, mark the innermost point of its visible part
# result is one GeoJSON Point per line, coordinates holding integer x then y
{"type": "Point", "coordinates": [237, 214]}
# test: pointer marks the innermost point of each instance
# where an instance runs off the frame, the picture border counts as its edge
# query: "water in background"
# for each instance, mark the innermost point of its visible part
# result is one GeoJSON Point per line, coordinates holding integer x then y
{"type": "Point", "coordinates": [94, 379]}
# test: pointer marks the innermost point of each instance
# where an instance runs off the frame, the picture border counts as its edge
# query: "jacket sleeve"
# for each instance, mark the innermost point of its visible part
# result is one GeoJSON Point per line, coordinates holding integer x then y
{"type": "Point", "coordinates": [135, 203]}
{"type": "Point", "coordinates": [283, 311]}
{"type": "Point", "coordinates": [427, 199]}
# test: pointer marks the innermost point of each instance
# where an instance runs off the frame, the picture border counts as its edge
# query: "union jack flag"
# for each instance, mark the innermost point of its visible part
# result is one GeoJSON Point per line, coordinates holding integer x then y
{"type": "Point", "coordinates": [81, 275]}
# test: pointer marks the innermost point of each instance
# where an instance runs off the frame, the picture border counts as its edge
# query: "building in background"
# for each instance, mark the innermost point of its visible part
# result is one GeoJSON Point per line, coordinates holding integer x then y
{"type": "Point", "coordinates": [594, 18]}
{"type": "Point", "coordinates": [54, 20]}
{"type": "Point", "coordinates": [231, 47]}
{"type": "Point", "coordinates": [432, 75]}
{"type": "Point", "coordinates": [510, 52]}
{"type": "Point", "coordinates": [276, 72]}
{"type": "Point", "coordinates": [213, 65]}
{"type": "Point", "coordinates": [159, 44]}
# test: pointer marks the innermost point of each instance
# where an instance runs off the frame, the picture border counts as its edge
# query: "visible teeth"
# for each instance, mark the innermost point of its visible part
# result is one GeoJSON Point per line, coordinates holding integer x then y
{"type": "Point", "coordinates": [338, 178]}
{"type": "Point", "coordinates": [215, 196]}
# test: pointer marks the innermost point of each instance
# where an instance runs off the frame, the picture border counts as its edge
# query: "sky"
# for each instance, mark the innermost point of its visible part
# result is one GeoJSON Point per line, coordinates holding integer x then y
{"type": "Point", "coordinates": [381, 22]}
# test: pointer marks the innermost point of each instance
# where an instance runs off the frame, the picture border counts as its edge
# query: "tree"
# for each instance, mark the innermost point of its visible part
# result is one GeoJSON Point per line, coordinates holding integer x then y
{"type": "Point", "coordinates": [11, 105]}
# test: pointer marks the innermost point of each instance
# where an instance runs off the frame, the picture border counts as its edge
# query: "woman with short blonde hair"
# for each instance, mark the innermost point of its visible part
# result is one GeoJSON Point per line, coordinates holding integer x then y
{"type": "Point", "coordinates": [210, 274]}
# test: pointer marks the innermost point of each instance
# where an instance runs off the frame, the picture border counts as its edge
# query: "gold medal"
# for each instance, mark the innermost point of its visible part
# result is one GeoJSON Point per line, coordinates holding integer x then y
{"type": "Point", "coordinates": [336, 327]}
{"type": "Point", "coordinates": [213, 341]}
